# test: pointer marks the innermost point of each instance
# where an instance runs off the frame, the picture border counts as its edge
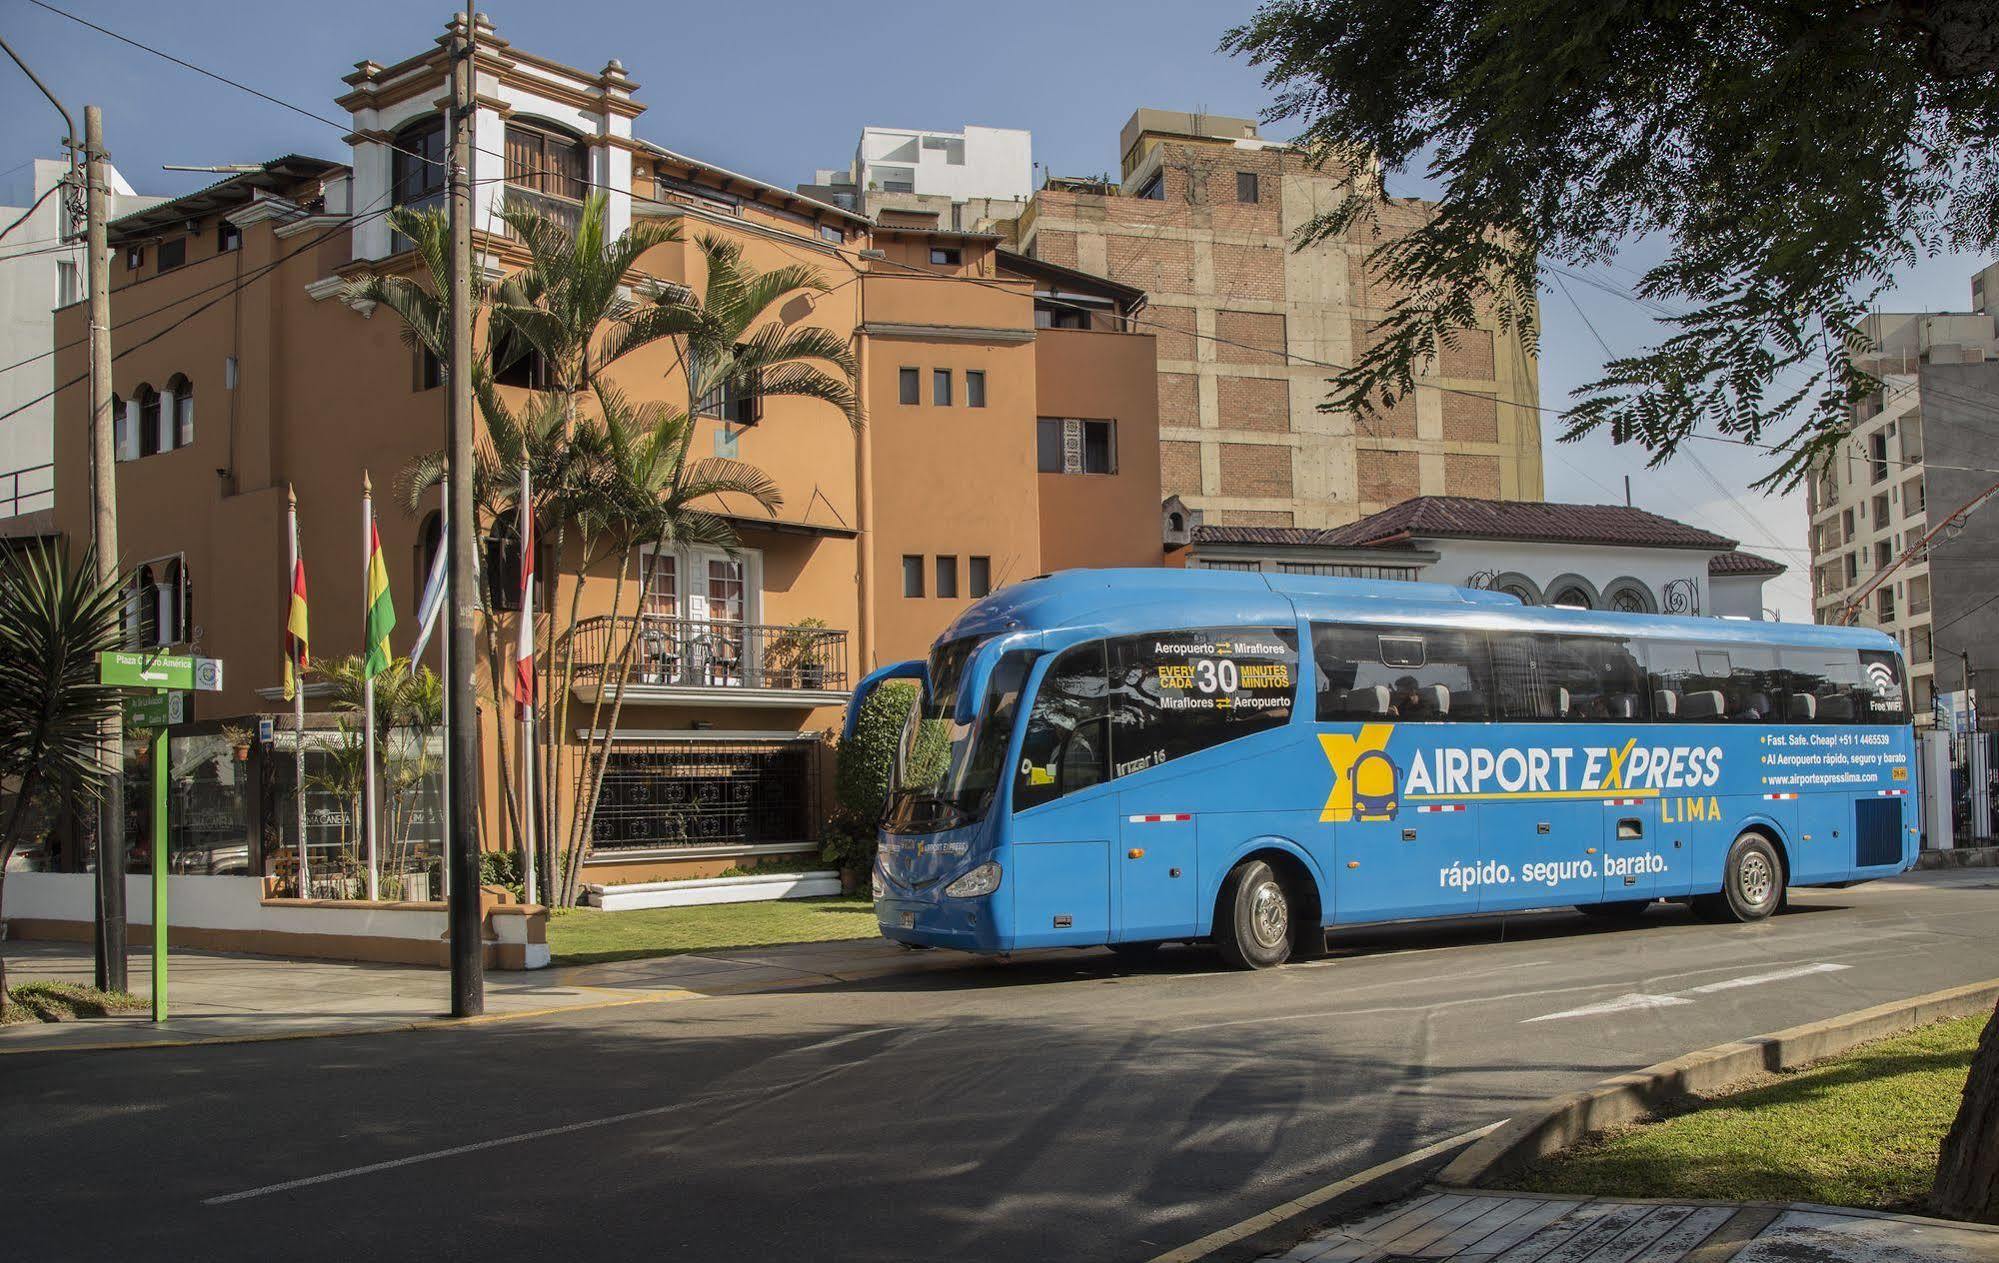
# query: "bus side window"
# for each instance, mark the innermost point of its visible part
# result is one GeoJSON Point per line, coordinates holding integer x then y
{"type": "Point", "coordinates": [1177, 692]}
{"type": "Point", "coordinates": [1567, 679]}
{"type": "Point", "coordinates": [1370, 673]}
{"type": "Point", "coordinates": [1071, 696]}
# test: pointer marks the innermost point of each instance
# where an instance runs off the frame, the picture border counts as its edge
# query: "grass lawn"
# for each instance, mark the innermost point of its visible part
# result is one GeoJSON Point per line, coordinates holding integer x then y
{"type": "Point", "coordinates": [1857, 1130]}
{"type": "Point", "coordinates": [64, 1002]}
{"type": "Point", "coordinates": [580, 936]}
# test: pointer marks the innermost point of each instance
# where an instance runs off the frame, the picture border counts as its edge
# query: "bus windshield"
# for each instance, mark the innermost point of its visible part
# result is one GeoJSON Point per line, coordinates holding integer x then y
{"type": "Point", "coordinates": [946, 771]}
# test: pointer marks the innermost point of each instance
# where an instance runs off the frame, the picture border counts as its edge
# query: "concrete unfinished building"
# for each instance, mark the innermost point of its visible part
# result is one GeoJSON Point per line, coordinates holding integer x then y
{"type": "Point", "coordinates": [1203, 219]}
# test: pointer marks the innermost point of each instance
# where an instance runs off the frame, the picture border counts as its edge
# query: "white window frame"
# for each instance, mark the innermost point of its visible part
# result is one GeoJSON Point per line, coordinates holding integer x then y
{"type": "Point", "coordinates": [691, 565]}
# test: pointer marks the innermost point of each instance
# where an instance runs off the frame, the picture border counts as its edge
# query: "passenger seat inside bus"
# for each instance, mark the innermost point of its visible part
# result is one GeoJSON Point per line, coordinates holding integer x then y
{"type": "Point", "coordinates": [1665, 704]}
{"type": "Point", "coordinates": [1804, 708]}
{"type": "Point", "coordinates": [1706, 704]}
{"type": "Point", "coordinates": [1835, 710]}
{"type": "Point", "coordinates": [1370, 699]}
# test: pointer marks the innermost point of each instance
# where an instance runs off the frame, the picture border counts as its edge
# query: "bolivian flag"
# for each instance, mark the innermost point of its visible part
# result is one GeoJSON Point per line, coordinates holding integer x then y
{"type": "Point", "coordinates": [297, 654]}
{"type": "Point", "coordinates": [381, 608]}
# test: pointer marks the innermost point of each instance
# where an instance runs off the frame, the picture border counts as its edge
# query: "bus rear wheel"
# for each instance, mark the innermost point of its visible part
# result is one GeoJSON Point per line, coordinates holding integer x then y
{"type": "Point", "coordinates": [1752, 883]}
{"type": "Point", "coordinates": [1253, 928]}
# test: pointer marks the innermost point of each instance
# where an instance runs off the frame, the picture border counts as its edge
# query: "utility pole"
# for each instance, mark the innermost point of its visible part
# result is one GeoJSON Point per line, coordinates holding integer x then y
{"type": "Point", "coordinates": [108, 929]}
{"type": "Point", "coordinates": [468, 978]}
{"type": "Point", "coordinates": [109, 937]}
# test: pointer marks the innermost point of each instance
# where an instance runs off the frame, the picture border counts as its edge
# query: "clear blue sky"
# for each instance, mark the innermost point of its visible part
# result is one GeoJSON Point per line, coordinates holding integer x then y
{"type": "Point", "coordinates": [776, 90]}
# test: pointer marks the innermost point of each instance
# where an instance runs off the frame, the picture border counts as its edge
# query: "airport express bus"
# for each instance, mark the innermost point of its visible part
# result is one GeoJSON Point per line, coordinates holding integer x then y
{"type": "Point", "coordinates": [1131, 757]}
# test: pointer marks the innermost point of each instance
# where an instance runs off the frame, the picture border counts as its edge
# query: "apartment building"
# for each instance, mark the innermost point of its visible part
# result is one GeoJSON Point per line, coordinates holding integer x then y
{"type": "Point", "coordinates": [43, 258]}
{"type": "Point", "coordinates": [1918, 457]}
{"type": "Point", "coordinates": [745, 658]}
{"type": "Point", "coordinates": [958, 180]}
{"type": "Point", "coordinates": [1203, 220]}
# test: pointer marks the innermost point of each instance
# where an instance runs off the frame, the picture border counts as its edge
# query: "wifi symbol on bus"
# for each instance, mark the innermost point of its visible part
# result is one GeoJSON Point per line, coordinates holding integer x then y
{"type": "Point", "coordinates": [1882, 677]}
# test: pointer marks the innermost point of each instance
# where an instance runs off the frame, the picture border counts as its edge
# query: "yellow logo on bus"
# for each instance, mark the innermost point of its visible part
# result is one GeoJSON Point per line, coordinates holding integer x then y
{"type": "Point", "coordinates": [1364, 777]}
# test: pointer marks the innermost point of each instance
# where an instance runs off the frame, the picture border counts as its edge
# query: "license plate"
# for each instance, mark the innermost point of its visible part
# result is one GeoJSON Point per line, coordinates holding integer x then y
{"type": "Point", "coordinates": [909, 920]}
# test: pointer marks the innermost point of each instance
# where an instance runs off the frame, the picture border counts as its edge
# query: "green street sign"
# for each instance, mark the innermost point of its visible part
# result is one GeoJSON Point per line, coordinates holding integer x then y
{"type": "Point", "coordinates": [160, 671]}
{"type": "Point", "coordinates": [157, 710]}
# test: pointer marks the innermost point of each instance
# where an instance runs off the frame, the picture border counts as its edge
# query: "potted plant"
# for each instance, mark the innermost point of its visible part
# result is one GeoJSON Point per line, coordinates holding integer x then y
{"type": "Point", "coordinates": [240, 740]}
{"type": "Point", "coordinates": [791, 658]}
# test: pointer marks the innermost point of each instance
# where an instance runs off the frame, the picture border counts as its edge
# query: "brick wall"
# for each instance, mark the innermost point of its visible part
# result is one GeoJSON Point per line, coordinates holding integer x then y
{"type": "Point", "coordinates": [1173, 327]}
{"type": "Point", "coordinates": [1468, 354]}
{"type": "Point", "coordinates": [1470, 418]}
{"type": "Point", "coordinates": [1179, 399]}
{"type": "Point", "coordinates": [1253, 403]}
{"type": "Point", "coordinates": [1151, 264]}
{"type": "Point", "coordinates": [1249, 271]}
{"type": "Point", "coordinates": [1180, 469]}
{"type": "Point", "coordinates": [1249, 337]}
{"type": "Point", "coordinates": [1386, 477]}
{"type": "Point", "coordinates": [1056, 247]}
{"type": "Point", "coordinates": [1256, 469]}
{"type": "Point", "coordinates": [1398, 422]}
{"type": "Point", "coordinates": [1248, 517]}
{"type": "Point", "coordinates": [1471, 476]}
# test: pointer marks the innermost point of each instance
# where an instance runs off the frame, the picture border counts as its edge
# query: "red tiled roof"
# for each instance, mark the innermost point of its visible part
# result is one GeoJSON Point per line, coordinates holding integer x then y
{"type": "Point", "coordinates": [1739, 562]}
{"type": "Point", "coordinates": [1463, 517]}
{"type": "Point", "coordinates": [1284, 536]}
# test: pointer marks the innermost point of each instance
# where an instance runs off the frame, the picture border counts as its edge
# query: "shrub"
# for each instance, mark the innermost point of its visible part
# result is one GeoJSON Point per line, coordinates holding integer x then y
{"type": "Point", "coordinates": [503, 868]}
{"type": "Point", "coordinates": [861, 770]}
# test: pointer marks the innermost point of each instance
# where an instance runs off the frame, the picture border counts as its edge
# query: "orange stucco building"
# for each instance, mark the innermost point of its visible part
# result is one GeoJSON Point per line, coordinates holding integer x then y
{"type": "Point", "coordinates": [993, 448]}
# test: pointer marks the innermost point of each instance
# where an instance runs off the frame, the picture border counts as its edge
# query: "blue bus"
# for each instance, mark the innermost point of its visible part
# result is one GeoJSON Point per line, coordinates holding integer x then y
{"type": "Point", "coordinates": [1134, 757]}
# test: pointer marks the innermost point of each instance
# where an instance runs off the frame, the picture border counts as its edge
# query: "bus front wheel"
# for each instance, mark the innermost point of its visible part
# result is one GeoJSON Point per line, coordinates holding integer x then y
{"type": "Point", "coordinates": [1752, 883]}
{"type": "Point", "coordinates": [1253, 930]}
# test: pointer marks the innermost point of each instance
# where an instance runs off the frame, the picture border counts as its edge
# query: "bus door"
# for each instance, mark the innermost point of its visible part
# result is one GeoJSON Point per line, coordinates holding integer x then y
{"type": "Point", "coordinates": [1157, 875]}
{"type": "Point", "coordinates": [1541, 853]}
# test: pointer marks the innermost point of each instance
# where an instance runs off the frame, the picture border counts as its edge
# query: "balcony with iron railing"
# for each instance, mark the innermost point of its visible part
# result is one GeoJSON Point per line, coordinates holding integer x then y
{"type": "Point", "coordinates": [711, 661]}
{"type": "Point", "coordinates": [563, 212]}
{"type": "Point", "coordinates": [28, 489]}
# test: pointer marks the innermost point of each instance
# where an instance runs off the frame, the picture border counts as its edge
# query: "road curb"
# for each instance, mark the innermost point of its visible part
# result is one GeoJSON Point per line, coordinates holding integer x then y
{"type": "Point", "coordinates": [1563, 1120]}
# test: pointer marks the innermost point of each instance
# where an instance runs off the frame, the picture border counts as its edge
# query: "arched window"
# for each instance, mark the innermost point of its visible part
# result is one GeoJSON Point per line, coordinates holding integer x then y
{"type": "Point", "coordinates": [429, 538]}
{"type": "Point", "coordinates": [1175, 522]}
{"type": "Point", "coordinates": [124, 437]}
{"type": "Point", "coordinates": [417, 164]}
{"type": "Point", "coordinates": [547, 159]}
{"type": "Point", "coordinates": [1571, 596]}
{"type": "Point", "coordinates": [139, 610]}
{"type": "Point", "coordinates": [1519, 593]}
{"type": "Point", "coordinates": [1628, 596]}
{"type": "Point", "coordinates": [180, 425]}
{"type": "Point", "coordinates": [147, 402]}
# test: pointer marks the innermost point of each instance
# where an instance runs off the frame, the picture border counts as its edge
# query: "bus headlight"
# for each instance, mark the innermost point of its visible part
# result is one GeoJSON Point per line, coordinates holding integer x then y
{"type": "Point", "coordinates": [982, 880]}
{"type": "Point", "coordinates": [875, 887]}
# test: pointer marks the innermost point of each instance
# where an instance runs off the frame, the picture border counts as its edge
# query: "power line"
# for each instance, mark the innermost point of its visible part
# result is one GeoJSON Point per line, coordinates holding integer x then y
{"type": "Point", "coordinates": [1215, 339]}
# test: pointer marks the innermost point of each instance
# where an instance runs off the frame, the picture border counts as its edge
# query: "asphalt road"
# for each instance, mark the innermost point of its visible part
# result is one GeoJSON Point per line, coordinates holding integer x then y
{"type": "Point", "coordinates": [1062, 1106]}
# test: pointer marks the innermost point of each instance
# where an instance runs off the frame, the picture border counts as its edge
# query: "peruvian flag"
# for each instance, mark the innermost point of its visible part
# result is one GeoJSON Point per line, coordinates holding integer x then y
{"type": "Point", "coordinates": [524, 642]}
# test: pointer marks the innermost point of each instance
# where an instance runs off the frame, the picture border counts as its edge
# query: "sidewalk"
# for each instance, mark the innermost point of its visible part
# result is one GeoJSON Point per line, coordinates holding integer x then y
{"type": "Point", "coordinates": [1536, 1228]}
{"type": "Point", "coordinates": [219, 997]}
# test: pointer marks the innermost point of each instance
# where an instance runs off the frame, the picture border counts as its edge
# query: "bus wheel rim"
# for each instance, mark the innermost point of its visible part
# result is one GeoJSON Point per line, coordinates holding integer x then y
{"type": "Point", "coordinates": [1754, 880]}
{"type": "Point", "coordinates": [1269, 919]}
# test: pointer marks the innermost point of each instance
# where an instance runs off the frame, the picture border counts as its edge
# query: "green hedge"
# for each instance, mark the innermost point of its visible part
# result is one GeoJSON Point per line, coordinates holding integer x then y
{"type": "Point", "coordinates": [862, 766]}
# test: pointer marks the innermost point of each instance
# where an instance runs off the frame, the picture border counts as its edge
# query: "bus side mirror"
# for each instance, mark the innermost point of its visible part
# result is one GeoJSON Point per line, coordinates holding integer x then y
{"type": "Point", "coordinates": [913, 669]}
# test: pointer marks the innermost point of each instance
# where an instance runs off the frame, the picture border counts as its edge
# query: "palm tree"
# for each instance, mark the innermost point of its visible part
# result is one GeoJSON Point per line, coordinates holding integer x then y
{"type": "Point", "coordinates": [652, 494]}
{"type": "Point", "coordinates": [54, 620]}
{"type": "Point", "coordinates": [409, 707]}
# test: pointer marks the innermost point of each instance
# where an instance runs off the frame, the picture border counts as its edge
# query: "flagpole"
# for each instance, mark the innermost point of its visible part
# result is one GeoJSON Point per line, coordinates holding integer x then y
{"type": "Point", "coordinates": [298, 700]}
{"type": "Point", "coordinates": [526, 523]}
{"type": "Point", "coordinates": [368, 683]}
{"type": "Point", "coordinates": [444, 677]}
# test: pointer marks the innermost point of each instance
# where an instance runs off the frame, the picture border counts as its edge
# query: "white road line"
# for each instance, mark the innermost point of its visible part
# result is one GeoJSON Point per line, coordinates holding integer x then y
{"type": "Point", "coordinates": [1629, 1000]}
{"type": "Point", "coordinates": [452, 1152]}
{"type": "Point", "coordinates": [1317, 1197]}
{"type": "Point", "coordinates": [1754, 980]}
{"type": "Point", "coordinates": [1641, 1000]}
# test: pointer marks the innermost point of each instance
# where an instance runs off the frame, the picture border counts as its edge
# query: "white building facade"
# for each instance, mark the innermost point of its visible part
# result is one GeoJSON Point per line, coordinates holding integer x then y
{"type": "Point", "coordinates": [44, 270]}
{"type": "Point", "coordinates": [1592, 556]}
